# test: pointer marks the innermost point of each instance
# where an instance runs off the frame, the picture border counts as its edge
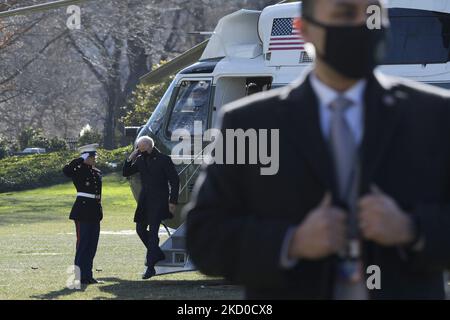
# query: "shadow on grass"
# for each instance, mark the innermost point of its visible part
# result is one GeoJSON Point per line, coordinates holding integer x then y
{"type": "Point", "coordinates": [30, 216]}
{"type": "Point", "coordinates": [27, 212]}
{"type": "Point", "coordinates": [58, 294]}
{"type": "Point", "coordinates": [170, 289]}
{"type": "Point", "coordinates": [156, 290]}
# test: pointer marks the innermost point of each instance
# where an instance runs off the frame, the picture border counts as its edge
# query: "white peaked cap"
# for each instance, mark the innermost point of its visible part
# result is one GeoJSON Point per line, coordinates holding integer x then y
{"type": "Point", "coordinates": [90, 148]}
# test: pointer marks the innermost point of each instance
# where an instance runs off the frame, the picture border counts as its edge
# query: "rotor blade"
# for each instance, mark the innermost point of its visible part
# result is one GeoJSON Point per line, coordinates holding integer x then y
{"type": "Point", "coordinates": [173, 66]}
{"type": "Point", "coordinates": [39, 7]}
{"type": "Point", "coordinates": [286, 1]}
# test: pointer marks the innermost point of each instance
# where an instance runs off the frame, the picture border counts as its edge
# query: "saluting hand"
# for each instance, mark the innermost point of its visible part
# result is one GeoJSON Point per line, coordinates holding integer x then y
{"type": "Point", "coordinates": [382, 221]}
{"type": "Point", "coordinates": [85, 155]}
{"type": "Point", "coordinates": [133, 155]}
{"type": "Point", "coordinates": [321, 234]}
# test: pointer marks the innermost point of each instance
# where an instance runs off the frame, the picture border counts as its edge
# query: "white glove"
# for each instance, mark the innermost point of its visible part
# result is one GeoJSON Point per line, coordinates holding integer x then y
{"type": "Point", "coordinates": [85, 156]}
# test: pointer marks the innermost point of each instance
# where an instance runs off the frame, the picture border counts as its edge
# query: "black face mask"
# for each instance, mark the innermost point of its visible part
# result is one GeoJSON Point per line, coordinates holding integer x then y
{"type": "Point", "coordinates": [353, 51]}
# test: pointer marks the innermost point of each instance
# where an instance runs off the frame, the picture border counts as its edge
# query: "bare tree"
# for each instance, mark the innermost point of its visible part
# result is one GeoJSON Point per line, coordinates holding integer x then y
{"type": "Point", "coordinates": [113, 47]}
{"type": "Point", "coordinates": [16, 60]}
{"type": "Point", "coordinates": [60, 80]}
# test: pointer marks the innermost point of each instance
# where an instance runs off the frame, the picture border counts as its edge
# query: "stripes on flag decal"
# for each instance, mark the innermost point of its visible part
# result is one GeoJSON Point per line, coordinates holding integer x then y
{"type": "Point", "coordinates": [285, 36]}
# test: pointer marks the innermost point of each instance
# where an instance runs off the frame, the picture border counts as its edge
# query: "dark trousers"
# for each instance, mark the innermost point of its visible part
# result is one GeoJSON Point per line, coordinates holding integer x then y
{"type": "Point", "coordinates": [87, 241]}
{"type": "Point", "coordinates": [149, 237]}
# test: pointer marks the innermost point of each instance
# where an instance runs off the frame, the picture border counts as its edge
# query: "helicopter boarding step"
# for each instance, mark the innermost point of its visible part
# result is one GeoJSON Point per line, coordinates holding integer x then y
{"type": "Point", "coordinates": [177, 258]}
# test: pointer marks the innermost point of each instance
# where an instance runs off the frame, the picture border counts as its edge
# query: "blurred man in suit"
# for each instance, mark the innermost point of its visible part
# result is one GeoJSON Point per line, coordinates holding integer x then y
{"type": "Point", "coordinates": [363, 180]}
{"type": "Point", "coordinates": [87, 210]}
{"type": "Point", "coordinates": [156, 202]}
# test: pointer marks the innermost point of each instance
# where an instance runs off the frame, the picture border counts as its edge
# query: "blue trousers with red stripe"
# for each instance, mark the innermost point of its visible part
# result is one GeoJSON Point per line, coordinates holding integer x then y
{"type": "Point", "coordinates": [87, 240]}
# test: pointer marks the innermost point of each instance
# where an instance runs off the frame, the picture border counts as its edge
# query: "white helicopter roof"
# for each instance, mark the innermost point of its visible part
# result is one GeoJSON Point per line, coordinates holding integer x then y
{"type": "Point", "coordinates": [249, 34]}
{"type": "Point", "coordinates": [243, 45]}
{"type": "Point", "coordinates": [246, 33]}
{"type": "Point", "coordinates": [236, 35]}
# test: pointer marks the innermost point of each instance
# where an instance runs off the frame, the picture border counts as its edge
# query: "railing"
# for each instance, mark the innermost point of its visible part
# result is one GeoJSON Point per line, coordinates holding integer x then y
{"type": "Point", "coordinates": [188, 179]}
{"type": "Point", "coordinates": [185, 171]}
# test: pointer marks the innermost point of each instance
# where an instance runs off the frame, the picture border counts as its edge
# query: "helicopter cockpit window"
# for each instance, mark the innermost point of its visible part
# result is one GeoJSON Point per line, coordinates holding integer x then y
{"type": "Point", "coordinates": [156, 120]}
{"type": "Point", "coordinates": [192, 104]}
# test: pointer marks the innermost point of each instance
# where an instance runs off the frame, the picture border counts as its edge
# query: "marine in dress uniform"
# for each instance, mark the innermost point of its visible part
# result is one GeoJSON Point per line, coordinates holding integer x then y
{"type": "Point", "coordinates": [87, 210]}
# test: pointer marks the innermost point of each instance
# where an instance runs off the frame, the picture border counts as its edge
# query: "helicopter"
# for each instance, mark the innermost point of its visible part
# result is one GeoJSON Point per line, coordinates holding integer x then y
{"type": "Point", "coordinates": [254, 51]}
{"type": "Point", "coordinates": [263, 50]}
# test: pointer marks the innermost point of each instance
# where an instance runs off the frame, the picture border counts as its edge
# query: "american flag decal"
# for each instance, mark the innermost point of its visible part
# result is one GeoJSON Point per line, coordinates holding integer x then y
{"type": "Point", "coordinates": [285, 36]}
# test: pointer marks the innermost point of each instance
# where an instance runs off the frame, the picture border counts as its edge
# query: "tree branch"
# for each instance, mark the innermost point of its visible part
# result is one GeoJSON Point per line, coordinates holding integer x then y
{"type": "Point", "coordinates": [87, 61]}
{"type": "Point", "coordinates": [48, 44]}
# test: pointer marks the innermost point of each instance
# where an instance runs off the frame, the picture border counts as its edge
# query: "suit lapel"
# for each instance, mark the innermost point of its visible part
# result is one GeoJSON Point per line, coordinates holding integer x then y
{"type": "Point", "coordinates": [382, 112]}
{"type": "Point", "coordinates": [305, 133]}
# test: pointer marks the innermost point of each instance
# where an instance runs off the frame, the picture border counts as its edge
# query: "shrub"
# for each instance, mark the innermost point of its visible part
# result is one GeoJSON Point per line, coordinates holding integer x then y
{"type": "Point", "coordinates": [7, 147]}
{"type": "Point", "coordinates": [32, 138]}
{"type": "Point", "coordinates": [55, 144]}
{"type": "Point", "coordinates": [143, 101]}
{"type": "Point", "coordinates": [89, 136]}
{"type": "Point", "coordinates": [35, 138]}
{"type": "Point", "coordinates": [3, 151]}
{"type": "Point", "coordinates": [41, 170]}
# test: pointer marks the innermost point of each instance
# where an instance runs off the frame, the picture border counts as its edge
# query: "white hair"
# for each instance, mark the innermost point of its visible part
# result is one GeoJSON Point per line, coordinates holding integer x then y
{"type": "Point", "coordinates": [147, 140]}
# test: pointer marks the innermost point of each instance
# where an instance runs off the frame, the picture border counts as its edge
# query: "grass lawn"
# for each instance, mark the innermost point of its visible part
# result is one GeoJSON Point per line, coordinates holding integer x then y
{"type": "Point", "coordinates": [37, 246]}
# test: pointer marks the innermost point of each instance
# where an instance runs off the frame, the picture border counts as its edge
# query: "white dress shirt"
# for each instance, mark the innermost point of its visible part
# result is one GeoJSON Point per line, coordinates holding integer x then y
{"type": "Point", "coordinates": [354, 115]}
{"type": "Point", "coordinates": [355, 119]}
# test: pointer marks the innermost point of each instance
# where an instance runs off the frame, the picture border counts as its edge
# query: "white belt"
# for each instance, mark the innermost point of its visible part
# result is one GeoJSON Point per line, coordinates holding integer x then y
{"type": "Point", "coordinates": [88, 195]}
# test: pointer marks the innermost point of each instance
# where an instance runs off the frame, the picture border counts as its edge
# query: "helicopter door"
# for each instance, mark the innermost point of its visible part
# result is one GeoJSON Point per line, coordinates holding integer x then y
{"type": "Point", "coordinates": [190, 110]}
{"type": "Point", "coordinates": [229, 89]}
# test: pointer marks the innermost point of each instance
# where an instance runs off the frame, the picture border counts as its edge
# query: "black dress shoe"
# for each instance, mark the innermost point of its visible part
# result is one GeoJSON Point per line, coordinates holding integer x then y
{"type": "Point", "coordinates": [95, 281]}
{"type": "Point", "coordinates": [90, 281]}
{"type": "Point", "coordinates": [149, 272]}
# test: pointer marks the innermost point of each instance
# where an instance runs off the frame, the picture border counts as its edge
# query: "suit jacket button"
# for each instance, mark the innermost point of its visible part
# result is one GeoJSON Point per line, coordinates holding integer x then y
{"type": "Point", "coordinates": [401, 94]}
{"type": "Point", "coordinates": [389, 100]}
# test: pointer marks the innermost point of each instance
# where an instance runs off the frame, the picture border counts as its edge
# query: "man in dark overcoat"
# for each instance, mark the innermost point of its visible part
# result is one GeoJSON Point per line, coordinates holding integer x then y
{"type": "Point", "coordinates": [156, 201]}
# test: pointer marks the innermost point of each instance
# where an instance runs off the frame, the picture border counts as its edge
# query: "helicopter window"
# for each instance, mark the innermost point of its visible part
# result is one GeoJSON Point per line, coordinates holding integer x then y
{"type": "Point", "coordinates": [414, 32]}
{"type": "Point", "coordinates": [156, 120]}
{"type": "Point", "coordinates": [441, 85]}
{"type": "Point", "coordinates": [192, 104]}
